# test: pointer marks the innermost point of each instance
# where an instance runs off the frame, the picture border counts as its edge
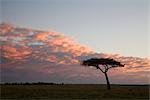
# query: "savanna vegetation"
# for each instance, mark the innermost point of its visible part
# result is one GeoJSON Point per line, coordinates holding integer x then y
{"type": "Point", "coordinates": [74, 92]}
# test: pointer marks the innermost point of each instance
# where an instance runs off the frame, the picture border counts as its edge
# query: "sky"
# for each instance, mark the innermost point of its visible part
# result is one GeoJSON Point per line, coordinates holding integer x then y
{"type": "Point", "coordinates": [46, 40]}
{"type": "Point", "coordinates": [109, 26]}
{"type": "Point", "coordinates": [30, 55]}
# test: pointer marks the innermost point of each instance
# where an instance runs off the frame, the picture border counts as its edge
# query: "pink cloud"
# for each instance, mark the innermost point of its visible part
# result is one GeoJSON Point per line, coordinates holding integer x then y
{"type": "Point", "coordinates": [11, 52]}
{"type": "Point", "coordinates": [52, 53]}
{"type": "Point", "coordinates": [43, 36]}
{"type": "Point", "coordinates": [4, 28]}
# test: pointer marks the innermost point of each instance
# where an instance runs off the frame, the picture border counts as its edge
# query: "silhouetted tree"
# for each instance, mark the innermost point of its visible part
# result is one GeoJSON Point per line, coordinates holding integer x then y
{"type": "Point", "coordinates": [103, 64]}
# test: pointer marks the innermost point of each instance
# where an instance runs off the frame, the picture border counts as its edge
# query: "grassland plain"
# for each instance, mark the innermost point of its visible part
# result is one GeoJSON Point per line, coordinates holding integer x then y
{"type": "Point", "coordinates": [74, 92]}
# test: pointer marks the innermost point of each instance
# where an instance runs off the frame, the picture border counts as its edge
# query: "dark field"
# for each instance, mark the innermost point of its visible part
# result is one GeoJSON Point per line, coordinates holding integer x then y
{"type": "Point", "coordinates": [73, 92]}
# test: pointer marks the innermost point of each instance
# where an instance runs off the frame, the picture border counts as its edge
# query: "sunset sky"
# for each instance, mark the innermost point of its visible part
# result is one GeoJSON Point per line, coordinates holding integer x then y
{"type": "Point", "coordinates": [45, 40]}
{"type": "Point", "coordinates": [111, 26]}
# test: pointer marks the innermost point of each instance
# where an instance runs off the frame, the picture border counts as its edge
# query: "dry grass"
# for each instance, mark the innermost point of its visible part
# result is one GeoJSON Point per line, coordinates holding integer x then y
{"type": "Point", "coordinates": [73, 92]}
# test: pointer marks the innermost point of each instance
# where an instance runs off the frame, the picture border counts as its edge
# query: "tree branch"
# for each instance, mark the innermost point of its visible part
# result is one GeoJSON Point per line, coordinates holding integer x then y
{"type": "Point", "coordinates": [106, 68]}
{"type": "Point", "coordinates": [110, 67]}
{"type": "Point", "coordinates": [100, 69]}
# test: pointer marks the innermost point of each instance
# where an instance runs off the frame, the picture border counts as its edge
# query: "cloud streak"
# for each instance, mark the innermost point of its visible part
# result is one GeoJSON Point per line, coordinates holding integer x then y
{"type": "Point", "coordinates": [26, 51]}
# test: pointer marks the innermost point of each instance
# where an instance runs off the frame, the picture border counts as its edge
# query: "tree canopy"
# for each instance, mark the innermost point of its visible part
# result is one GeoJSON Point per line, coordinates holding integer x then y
{"type": "Point", "coordinates": [107, 63]}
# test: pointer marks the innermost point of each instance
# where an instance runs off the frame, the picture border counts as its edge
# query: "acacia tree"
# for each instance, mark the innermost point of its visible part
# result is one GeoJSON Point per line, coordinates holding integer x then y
{"type": "Point", "coordinates": [103, 64]}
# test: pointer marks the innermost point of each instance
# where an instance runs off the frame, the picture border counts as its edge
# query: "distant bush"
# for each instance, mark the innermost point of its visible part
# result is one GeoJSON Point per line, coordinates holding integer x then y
{"type": "Point", "coordinates": [33, 83]}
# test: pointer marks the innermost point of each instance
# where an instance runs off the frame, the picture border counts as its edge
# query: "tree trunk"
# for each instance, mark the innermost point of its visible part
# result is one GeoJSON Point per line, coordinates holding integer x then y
{"type": "Point", "coordinates": [108, 84]}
